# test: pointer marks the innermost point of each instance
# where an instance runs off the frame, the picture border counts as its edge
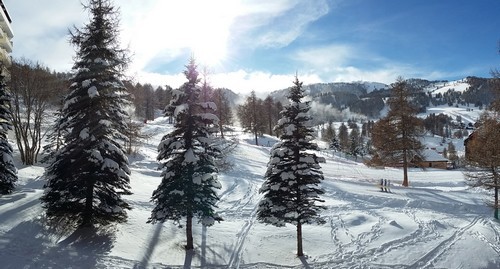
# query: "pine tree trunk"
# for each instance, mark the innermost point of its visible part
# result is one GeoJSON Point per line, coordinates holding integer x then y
{"type": "Point", "coordinates": [189, 233]}
{"type": "Point", "coordinates": [221, 128]}
{"type": "Point", "coordinates": [300, 251]}
{"type": "Point", "coordinates": [405, 169]}
{"type": "Point", "coordinates": [496, 195]}
{"type": "Point", "coordinates": [89, 197]}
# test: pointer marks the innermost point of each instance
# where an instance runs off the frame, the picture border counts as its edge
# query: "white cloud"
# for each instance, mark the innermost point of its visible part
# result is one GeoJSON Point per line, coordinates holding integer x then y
{"type": "Point", "coordinates": [281, 25]}
{"type": "Point", "coordinates": [337, 63]}
{"type": "Point", "coordinates": [41, 34]}
{"type": "Point", "coordinates": [325, 57]}
{"type": "Point", "coordinates": [239, 81]}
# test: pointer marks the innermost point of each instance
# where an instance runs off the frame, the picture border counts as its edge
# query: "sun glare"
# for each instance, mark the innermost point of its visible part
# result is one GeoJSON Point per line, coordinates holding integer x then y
{"type": "Point", "coordinates": [171, 27]}
{"type": "Point", "coordinates": [212, 21]}
{"type": "Point", "coordinates": [210, 49]}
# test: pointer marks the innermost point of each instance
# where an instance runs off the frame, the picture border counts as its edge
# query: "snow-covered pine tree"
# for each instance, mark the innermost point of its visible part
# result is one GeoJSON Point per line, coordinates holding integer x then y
{"type": "Point", "coordinates": [55, 138]}
{"type": "Point", "coordinates": [291, 187]}
{"type": "Point", "coordinates": [90, 173]}
{"type": "Point", "coordinates": [8, 171]}
{"type": "Point", "coordinates": [189, 183]}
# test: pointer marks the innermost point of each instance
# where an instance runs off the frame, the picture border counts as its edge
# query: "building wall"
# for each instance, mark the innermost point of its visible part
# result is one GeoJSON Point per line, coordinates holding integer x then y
{"type": "Point", "coordinates": [6, 35]}
{"type": "Point", "coordinates": [432, 164]}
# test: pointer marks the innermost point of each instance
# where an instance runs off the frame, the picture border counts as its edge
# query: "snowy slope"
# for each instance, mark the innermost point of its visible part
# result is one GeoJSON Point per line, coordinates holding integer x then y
{"type": "Point", "coordinates": [443, 87]}
{"type": "Point", "coordinates": [436, 223]}
{"type": "Point", "coordinates": [467, 114]}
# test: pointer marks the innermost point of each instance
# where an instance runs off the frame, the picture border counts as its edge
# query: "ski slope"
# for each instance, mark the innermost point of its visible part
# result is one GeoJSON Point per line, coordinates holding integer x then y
{"type": "Point", "coordinates": [438, 222]}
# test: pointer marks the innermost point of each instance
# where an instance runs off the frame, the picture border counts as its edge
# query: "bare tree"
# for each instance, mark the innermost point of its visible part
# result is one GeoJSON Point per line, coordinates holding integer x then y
{"type": "Point", "coordinates": [396, 137]}
{"type": "Point", "coordinates": [483, 149]}
{"type": "Point", "coordinates": [33, 88]}
{"type": "Point", "coordinates": [224, 111]}
{"type": "Point", "coordinates": [250, 116]}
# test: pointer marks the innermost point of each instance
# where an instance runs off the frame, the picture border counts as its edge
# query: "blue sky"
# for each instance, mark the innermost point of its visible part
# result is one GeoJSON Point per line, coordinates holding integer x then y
{"type": "Point", "coordinates": [261, 44]}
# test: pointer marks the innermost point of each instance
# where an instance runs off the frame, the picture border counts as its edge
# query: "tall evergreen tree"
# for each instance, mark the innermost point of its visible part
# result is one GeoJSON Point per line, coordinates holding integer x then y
{"type": "Point", "coordinates": [189, 183]}
{"type": "Point", "coordinates": [328, 133]}
{"type": "Point", "coordinates": [90, 172]}
{"type": "Point", "coordinates": [291, 188]}
{"type": "Point", "coordinates": [396, 137]}
{"type": "Point", "coordinates": [343, 137]}
{"type": "Point", "coordinates": [355, 142]}
{"type": "Point", "coordinates": [8, 172]}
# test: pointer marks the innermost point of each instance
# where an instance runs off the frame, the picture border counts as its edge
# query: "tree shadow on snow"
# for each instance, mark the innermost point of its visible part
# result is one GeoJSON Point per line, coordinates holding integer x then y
{"type": "Point", "coordinates": [153, 241]}
{"type": "Point", "coordinates": [189, 259]}
{"type": "Point", "coordinates": [31, 245]}
{"type": "Point", "coordinates": [304, 262]}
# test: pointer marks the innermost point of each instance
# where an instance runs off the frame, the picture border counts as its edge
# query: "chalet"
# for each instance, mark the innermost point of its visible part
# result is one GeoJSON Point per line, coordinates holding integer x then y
{"type": "Point", "coordinates": [467, 141]}
{"type": "Point", "coordinates": [432, 159]}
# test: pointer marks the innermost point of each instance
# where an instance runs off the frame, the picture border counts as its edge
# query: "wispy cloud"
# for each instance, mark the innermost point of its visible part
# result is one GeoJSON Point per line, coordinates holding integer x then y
{"type": "Point", "coordinates": [347, 62]}
{"type": "Point", "coordinates": [41, 34]}
{"type": "Point", "coordinates": [280, 23]}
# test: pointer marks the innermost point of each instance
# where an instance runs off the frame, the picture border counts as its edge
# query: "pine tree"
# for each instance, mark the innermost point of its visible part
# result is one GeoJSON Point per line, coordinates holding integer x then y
{"type": "Point", "coordinates": [55, 137]}
{"type": "Point", "coordinates": [452, 152]}
{"type": "Point", "coordinates": [396, 137]}
{"type": "Point", "coordinates": [329, 133]}
{"type": "Point", "coordinates": [291, 188]}
{"type": "Point", "coordinates": [343, 138]}
{"type": "Point", "coordinates": [90, 172]}
{"type": "Point", "coordinates": [189, 183]}
{"type": "Point", "coordinates": [8, 171]}
{"type": "Point", "coordinates": [355, 145]}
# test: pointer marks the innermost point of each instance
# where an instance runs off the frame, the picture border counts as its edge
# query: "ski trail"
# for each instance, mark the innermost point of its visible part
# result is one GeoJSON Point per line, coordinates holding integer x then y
{"type": "Point", "coordinates": [427, 260]}
{"type": "Point", "coordinates": [493, 243]}
{"type": "Point", "coordinates": [235, 259]}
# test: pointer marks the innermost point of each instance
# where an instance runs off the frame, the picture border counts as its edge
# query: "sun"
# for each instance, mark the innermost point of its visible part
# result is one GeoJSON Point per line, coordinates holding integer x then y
{"type": "Point", "coordinates": [169, 29]}
{"type": "Point", "coordinates": [210, 50]}
{"type": "Point", "coordinates": [212, 21]}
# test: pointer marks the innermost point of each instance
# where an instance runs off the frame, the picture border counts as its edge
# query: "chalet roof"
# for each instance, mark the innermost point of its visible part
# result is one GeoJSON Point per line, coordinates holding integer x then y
{"type": "Point", "coordinates": [431, 155]}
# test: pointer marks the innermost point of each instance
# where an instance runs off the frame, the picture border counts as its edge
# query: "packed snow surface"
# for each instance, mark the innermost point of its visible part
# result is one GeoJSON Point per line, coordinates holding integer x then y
{"type": "Point", "coordinates": [438, 222]}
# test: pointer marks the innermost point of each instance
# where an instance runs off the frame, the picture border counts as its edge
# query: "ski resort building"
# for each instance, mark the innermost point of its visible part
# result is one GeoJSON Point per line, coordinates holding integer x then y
{"type": "Point", "coordinates": [432, 159]}
{"type": "Point", "coordinates": [6, 36]}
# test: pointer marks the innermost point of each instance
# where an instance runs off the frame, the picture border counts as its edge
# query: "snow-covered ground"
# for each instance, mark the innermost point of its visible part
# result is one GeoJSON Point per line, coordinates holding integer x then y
{"type": "Point", "coordinates": [438, 222]}
{"type": "Point", "coordinates": [443, 87]}
{"type": "Point", "coordinates": [467, 114]}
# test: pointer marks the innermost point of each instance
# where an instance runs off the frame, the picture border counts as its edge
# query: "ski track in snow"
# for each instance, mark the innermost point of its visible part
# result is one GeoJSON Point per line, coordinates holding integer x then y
{"type": "Point", "coordinates": [245, 206]}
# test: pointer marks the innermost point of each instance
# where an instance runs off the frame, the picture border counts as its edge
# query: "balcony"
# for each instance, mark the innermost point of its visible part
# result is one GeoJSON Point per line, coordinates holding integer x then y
{"type": "Point", "coordinates": [5, 41]}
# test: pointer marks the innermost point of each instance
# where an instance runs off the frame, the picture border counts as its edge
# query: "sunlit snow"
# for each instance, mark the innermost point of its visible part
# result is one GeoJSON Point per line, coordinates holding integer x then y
{"type": "Point", "coordinates": [438, 222]}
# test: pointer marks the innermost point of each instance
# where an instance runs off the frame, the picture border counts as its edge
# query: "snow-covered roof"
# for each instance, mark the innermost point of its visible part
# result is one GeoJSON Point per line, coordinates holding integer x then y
{"type": "Point", "coordinates": [431, 155]}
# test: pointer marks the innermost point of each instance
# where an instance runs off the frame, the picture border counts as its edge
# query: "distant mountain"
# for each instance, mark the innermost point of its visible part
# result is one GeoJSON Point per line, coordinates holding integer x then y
{"type": "Point", "coordinates": [343, 95]}
{"type": "Point", "coordinates": [231, 96]}
{"type": "Point", "coordinates": [368, 98]}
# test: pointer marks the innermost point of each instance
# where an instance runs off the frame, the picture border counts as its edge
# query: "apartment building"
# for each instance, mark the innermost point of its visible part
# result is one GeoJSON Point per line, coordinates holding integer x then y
{"type": "Point", "coordinates": [6, 36]}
